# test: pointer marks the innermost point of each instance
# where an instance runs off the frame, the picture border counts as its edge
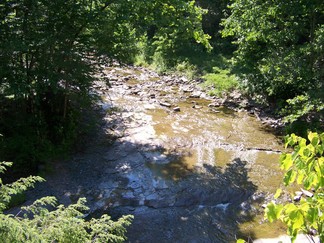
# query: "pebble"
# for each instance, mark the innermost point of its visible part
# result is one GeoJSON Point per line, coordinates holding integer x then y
{"type": "Point", "coordinates": [177, 109]}
{"type": "Point", "coordinates": [165, 104]}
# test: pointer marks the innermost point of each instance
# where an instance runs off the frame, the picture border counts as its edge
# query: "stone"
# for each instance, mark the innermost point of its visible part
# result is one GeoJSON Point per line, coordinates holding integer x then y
{"type": "Point", "coordinates": [299, 193]}
{"type": "Point", "coordinates": [195, 94]}
{"type": "Point", "coordinates": [307, 193]}
{"type": "Point", "coordinates": [166, 104]}
{"type": "Point", "coordinates": [297, 198]}
{"type": "Point", "coordinates": [214, 104]}
{"type": "Point", "coordinates": [156, 157]}
{"type": "Point", "coordinates": [177, 109]}
{"type": "Point", "coordinates": [264, 205]}
{"type": "Point", "coordinates": [159, 184]}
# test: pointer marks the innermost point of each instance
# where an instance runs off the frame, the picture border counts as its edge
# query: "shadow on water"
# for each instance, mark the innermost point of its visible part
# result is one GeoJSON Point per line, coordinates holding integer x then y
{"type": "Point", "coordinates": [198, 204]}
{"type": "Point", "coordinates": [125, 171]}
{"type": "Point", "coordinates": [175, 200]}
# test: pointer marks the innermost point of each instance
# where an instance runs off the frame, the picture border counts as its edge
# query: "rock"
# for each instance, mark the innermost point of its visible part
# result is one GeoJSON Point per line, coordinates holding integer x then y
{"type": "Point", "coordinates": [244, 104]}
{"type": "Point", "coordinates": [307, 193]}
{"type": "Point", "coordinates": [214, 104]}
{"type": "Point", "coordinates": [166, 104]}
{"type": "Point", "coordinates": [195, 105]}
{"type": "Point", "coordinates": [159, 184]}
{"type": "Point", "coordinates": [214, 110]}
{"type": "Point", "coordinates": [149, 107]}
{"type": "Point", "coordinates": [297, 198]}
{"type": "Point", "coordinates": [299, 193]}
{"type": "Point", "coordinates": [195, 94]}
{"type": "Point", "coordinates": [176, 109]}
{"type": "Point", "coordinates": [264, 205]}
{"type": "Point", "coordinates": [156, 157]}
{"type": "Point", "coordinates": [135, 92]}
{"type": "Point", "coordinates": [187, 90]}
{"type": "Point", "coordinates": [235, 95]}
{"type": "Point", "coordinates": [183, 79]}
{"type": "Point", "coordinates": [155, 203]}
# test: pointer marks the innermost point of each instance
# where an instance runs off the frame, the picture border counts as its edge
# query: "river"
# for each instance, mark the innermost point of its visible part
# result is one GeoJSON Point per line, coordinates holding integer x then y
{"type": "Point", "coordinates": [189, 168]}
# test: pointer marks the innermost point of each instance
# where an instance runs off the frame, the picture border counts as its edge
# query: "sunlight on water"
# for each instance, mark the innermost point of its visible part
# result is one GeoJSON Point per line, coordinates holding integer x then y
{"type": "Point", "coordinates": [217, 139]}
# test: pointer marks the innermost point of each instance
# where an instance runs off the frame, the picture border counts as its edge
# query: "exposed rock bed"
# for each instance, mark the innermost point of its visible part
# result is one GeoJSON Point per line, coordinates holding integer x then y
{"type": "Point", "coordinates": [122, 169]}
{"type": "Point", "coordinates": [167, 90]}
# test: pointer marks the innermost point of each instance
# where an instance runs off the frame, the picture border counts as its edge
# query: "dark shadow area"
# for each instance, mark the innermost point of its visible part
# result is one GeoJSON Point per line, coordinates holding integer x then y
{"type": "Point", "coordinates": [171, 198]}
{"type": "Point", "coordinates": [197, 205]}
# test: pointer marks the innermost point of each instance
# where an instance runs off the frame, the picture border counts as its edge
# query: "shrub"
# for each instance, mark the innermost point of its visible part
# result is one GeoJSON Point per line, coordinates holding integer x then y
{"type": "Point", "coordinates": [36, 223]}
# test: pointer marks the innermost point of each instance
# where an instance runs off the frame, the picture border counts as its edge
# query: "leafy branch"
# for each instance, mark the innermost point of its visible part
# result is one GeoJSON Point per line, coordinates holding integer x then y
{"type": "Point", "coordinates": [304, 166]}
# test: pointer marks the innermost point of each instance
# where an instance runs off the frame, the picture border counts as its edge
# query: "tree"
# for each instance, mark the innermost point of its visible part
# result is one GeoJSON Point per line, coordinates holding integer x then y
{"type": "Point", "coordinates": [280, 47]}
{"type": "Point", "coordinates": [217, 11]}
{"type": "Point", "coordinates": [36, 223]}
{"type": "Point", "coordinates": [304, 166]}
{"type": "Point", "coordinates": [52, 51]}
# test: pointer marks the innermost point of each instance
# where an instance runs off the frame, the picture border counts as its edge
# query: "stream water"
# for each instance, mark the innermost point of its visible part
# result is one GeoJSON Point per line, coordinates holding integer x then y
{"type": "Point", "coordinates": [210, 169]}
{"type": "Point", "coordinates": [192, 174]}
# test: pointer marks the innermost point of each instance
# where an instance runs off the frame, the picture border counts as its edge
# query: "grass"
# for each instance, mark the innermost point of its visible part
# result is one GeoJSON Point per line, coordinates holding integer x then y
{"type": "Point", "coordinates": [220, 82]}
{"type": "Point", "coordinates": [193, 61]}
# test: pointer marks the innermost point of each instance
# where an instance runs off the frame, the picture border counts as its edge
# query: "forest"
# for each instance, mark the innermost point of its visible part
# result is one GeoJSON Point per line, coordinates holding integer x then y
{"type": "Point", "coordinates": [52, 52]}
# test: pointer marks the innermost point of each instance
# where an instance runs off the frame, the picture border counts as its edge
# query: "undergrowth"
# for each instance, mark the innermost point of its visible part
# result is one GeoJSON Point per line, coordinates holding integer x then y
{"type": "Point", "coordinates": [193, 62]}
{"type": "Point", "coordinates": [220, 82]}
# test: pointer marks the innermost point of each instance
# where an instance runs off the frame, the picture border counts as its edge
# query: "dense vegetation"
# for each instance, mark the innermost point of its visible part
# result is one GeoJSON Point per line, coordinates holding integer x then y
{"type": "Point", "coordinates": [280, 55]}
{"type": "Point", "coordinates": [52, 51]}
{"type": "Point", "coordinates": [36, 223]}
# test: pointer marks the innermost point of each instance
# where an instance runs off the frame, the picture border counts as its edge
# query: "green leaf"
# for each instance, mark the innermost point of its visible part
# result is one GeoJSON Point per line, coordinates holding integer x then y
{"type": "Point", "coordinates": [302, 142]}
{"type": "Point", "coordinates": [313, 138]}
{"type": "Point", "coordinates": [306, 152]}
{"type": "Point", "coordinates": [240, 241]}
{"type": "Point", "coordinates": [290, 177]}
{"type": "Point", "coordinates": [278, 193]}
{"type": "Point", "coordinates": [312, 215]}
{"type": "Point", "coordinates": [300, 177]}
{"type": "Point", "coordinates": [286, 161]}
{"type": "Point", "coordinates": [311, 180]}
{"type": "Point", "coordinates": [273, 211]}
{"type": "Point", "coordinates": [297, 220]}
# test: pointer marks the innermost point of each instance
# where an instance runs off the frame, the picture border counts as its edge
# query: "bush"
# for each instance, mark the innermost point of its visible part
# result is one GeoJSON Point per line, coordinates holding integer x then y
{"type": "Point", "coordinates": [36, 223]}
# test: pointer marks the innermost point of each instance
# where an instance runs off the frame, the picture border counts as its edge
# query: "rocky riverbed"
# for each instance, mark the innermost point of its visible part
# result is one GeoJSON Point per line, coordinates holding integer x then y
{"type": "Point", "coordinates": [189, 167]}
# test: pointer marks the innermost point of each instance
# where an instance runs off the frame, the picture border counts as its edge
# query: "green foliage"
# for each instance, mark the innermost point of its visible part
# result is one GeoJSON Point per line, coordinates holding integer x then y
{"type": "Point", "coordinates": [300, 106]}
{"type": "Point", "coordinates": [187, 69]}
{"type": "Point", "coordinates": [280, 47]}
{"type": "Point", "coordinates": [51, 52]}
{"type": "Point", "coordinates": [36, 223]}
{"type": "Point", "coordinates": [168, 28]}
{"type": "Point", "coordinates": [304, 166]}
{"type": "Point", "coordinates": [216, 11]}
{"type": "Point", "coordinates": [220, 82]}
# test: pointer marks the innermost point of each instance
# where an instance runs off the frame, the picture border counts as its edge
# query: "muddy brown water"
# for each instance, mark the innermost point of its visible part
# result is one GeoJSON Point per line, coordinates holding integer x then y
{"type": "Point", "coordinates": [197, 175]}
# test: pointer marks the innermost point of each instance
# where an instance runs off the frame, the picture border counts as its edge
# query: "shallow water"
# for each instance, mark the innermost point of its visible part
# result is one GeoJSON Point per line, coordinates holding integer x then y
{"type": "Point", "coordinates": [217, 160]}
{"type": "Point", "coordinates": [198, 175]}
{"type": "Point", "coordinates": [217, 139]}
